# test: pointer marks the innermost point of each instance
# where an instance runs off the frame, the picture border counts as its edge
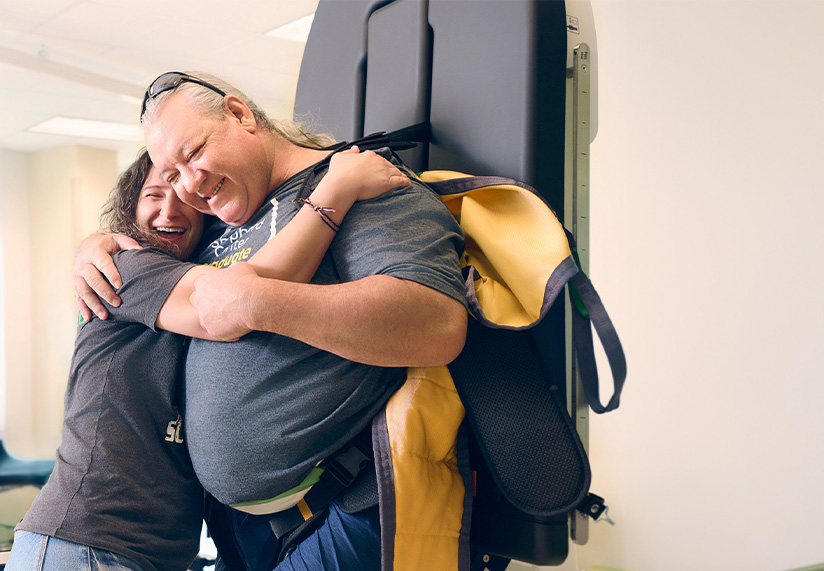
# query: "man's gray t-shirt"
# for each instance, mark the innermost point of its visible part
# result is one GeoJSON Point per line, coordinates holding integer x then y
{"type": "Point", "coordinates": [263, 411]}
{"type": "Point", "coordinates": [123, 480]}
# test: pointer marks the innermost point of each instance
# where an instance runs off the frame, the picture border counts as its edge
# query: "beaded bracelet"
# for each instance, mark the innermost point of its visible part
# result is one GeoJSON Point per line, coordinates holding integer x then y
{"type": "Point", "coordinates": [321, 211]}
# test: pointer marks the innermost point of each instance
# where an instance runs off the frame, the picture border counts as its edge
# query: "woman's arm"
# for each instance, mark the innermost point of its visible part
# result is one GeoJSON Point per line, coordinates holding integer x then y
{"type": "Point", "coordinates": [297, 250]}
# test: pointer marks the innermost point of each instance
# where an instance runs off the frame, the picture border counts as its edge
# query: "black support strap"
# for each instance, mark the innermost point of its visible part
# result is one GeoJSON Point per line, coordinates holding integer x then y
{"type": "Point", "coordinates": [340, 471]}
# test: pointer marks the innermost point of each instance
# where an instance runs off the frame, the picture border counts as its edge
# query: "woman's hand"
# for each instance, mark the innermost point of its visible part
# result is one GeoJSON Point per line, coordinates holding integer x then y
{"type": "Point", "coordinates": [94, 273]}
{"type": "Point", "coordinates": [354, 176]}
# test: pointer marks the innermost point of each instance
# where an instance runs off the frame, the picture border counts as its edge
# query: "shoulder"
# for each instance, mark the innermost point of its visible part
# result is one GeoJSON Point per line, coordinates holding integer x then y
{"type": "Point", "coordinates": [141, 254]}
{"type": "Point", "coordinates": [148, 276]}
{"type": "Point", "coordinates": [136, 264]}
{"type": "Point", "coordinates": [127, 259]}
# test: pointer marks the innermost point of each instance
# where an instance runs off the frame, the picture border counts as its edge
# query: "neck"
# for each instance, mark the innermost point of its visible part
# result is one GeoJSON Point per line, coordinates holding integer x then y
{"type": "Point", "coordinates": [288, 159]}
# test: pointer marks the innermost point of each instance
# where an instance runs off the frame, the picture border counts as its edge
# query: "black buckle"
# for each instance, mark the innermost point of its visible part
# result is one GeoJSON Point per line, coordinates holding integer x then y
{"type": "Point", "coordinates": [593, 506]}
{"type": "Point", "coordinates": [348, 463]}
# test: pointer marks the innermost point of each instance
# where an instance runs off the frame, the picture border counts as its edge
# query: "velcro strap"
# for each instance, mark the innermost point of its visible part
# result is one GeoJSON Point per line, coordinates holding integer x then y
{"type": "Point", "coordinates": [593, 314]}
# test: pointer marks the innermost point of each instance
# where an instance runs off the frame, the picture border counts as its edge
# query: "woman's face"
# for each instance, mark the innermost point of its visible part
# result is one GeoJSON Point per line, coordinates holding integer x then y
{"type": "Point", "coordinates": [160, 212]}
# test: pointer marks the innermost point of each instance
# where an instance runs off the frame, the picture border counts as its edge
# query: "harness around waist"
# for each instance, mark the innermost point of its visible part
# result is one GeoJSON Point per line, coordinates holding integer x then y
{"type": "Point", "coordinates": [334, 474]}
{"type": "Point", "coordinates": [284, 501]}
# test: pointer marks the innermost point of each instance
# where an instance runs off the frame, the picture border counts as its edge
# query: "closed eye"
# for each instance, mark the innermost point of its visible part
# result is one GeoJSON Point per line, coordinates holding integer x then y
{"type": "Point", "coordinates": [194, 153]}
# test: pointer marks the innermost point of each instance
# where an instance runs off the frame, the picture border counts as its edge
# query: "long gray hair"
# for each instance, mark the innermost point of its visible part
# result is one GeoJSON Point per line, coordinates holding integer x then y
{"type": "Point", "coordinates": [210, 103]}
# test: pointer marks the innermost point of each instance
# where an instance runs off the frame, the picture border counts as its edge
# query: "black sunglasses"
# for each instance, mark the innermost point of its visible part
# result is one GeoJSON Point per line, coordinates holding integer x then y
{"type": "Point", "coordinates": [168, 81]}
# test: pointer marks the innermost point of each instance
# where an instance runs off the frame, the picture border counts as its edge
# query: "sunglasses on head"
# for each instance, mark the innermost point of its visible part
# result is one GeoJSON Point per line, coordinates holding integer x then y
{"type": "Point", "coordinates": [168, 81]}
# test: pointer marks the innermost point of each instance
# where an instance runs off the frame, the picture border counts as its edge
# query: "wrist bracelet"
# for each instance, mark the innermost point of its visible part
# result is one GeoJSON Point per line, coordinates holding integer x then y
{"type": "Point", "coordinates": [321, 212]}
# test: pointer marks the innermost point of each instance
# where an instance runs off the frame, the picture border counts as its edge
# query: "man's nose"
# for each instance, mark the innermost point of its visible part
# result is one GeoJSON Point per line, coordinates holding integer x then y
{"type": "Point", "coordinates": [190, 180]}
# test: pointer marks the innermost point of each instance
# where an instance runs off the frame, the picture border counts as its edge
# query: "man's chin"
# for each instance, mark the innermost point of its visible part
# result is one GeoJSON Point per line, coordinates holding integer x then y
{"type": "Point", "coordinates": [232, 217]}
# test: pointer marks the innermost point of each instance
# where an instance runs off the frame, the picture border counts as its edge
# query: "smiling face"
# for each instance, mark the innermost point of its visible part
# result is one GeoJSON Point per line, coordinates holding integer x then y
{"type": "Point", "coordinates": [161, 213]}
{"type": "Point", "coordinates": [217, 165]}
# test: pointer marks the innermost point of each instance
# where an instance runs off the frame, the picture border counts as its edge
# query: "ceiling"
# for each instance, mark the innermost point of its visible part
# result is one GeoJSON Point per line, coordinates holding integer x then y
{"type": "Point", "coordinates": [92, 59]}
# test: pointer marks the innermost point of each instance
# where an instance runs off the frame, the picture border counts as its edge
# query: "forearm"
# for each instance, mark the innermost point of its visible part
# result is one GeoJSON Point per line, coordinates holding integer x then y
{"type": "Point", "coordinates": [296, 251]}
{"type": "Point", "coordinates": [379, 320]}
{"type": "Point", "coordinates": [293, 254]}
{"type": "Point", "coordinates": [178, 315]}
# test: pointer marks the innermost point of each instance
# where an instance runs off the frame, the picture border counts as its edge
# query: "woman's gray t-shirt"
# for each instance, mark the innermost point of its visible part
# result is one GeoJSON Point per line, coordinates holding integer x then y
{"type": "Point", "coordinates": [123, 480]}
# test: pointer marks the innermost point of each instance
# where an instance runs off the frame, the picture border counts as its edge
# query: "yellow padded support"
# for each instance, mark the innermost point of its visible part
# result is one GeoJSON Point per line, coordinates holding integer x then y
{"type": "Point", "coordinates": [520, 234]}
{"type": "Point", "coordinates": [423, 418]}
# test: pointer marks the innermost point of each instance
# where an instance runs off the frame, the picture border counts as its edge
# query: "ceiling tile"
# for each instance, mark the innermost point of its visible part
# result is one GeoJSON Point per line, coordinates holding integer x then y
{"type": "Point", "coordinates": [133, 41]}
{"type": "Point", "coordinates": [101, 24]}
{"type": "Point", "coordinates": [24, 15]}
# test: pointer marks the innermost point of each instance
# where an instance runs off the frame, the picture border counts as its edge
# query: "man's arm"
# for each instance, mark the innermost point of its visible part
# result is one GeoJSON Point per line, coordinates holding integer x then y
{"type": "Point", "coordinates": [399, 302]}
{"type": "Point", "coordinates": [293, 254]}
{"type": "Point", "coordinates": [296, 251]}
{"type": "Point", "coordinates": [378, 320]}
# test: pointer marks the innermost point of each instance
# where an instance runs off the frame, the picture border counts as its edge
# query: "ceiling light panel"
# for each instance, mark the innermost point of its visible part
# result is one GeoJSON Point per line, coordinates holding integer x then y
{"type": "Point", "coordinates": [90, 129]}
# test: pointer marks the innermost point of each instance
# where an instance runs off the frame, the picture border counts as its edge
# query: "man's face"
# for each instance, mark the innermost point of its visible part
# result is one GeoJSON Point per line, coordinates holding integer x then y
{"type": "Point", "coordinates": [216, 165]}
{"type": "Point", "coordinates": [160, 212]}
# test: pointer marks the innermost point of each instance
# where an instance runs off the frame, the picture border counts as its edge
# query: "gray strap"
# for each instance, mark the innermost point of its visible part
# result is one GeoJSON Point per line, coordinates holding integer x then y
{"type": "Point", "coordinates": [597, 315]}
{"type": "Point", "coordinates": [592, 313]}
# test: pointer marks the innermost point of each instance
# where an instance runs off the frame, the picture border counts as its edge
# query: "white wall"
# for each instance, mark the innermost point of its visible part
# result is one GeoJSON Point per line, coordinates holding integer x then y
{"type": "Point", "coordinates": [2, 316]}
{"type": "Point", "coordinates": [16, 285]}
{"type": "Point", "coordinates": [51, 200]}
{"type": "Point", "coordinates": [707, 237]}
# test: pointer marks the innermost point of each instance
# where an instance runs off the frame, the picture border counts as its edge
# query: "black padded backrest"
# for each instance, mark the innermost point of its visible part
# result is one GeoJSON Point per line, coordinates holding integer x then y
{"type": "Point", "coordinates": [398, 71]}
{"type": "Point", "coordinates": [490, 101]}
{"type": "Point", "coordinates": [332, 82]}
{"type": "Point", "coordinates": [489, 76]}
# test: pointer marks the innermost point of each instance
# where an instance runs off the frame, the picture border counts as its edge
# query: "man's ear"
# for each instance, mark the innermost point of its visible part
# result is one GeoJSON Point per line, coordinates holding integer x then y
{"type": "Point", "coordinates": [238, 110]}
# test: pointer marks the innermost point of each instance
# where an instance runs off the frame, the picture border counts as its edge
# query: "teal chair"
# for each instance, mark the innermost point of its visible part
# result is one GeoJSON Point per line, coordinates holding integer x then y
{"type": "Point", "coordinates": [16, 472]}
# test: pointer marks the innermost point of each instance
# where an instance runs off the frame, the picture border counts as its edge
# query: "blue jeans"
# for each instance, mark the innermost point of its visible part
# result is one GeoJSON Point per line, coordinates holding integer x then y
{"type": "Point", "coordinates": [340, 542]}
{"type": "Point", "coordinates": [35, 552]}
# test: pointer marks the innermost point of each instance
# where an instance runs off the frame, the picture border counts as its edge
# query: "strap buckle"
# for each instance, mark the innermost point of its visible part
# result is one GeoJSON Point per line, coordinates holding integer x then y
{"type": "Point", "coordinates": [594, 507]}
{"type": "Point", "coordinates": [347, 464]}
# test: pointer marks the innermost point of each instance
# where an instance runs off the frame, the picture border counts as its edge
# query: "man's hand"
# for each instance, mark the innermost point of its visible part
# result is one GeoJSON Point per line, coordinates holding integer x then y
{"type": "Point", "coordinates": [94, 270]}
{"type": "Point", "coordinates": [221, 299]}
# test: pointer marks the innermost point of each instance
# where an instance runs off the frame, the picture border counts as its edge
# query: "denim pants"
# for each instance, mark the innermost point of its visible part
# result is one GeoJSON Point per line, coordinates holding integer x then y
{"type": "Point", "coordinates": [35, 552]}
{"type": "Point", "coordinates": [340, 542]}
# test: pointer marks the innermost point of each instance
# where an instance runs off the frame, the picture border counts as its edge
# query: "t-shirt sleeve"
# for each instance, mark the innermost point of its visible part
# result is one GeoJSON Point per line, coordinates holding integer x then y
{"type": "Point", "coordinates": [148, 276]}
{"type": "Point", "coordinates": [407, 233]}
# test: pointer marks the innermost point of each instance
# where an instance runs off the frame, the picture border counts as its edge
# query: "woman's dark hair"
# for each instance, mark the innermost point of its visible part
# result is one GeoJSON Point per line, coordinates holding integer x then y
{"type": "Point", "coordinates": [119, 214]}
